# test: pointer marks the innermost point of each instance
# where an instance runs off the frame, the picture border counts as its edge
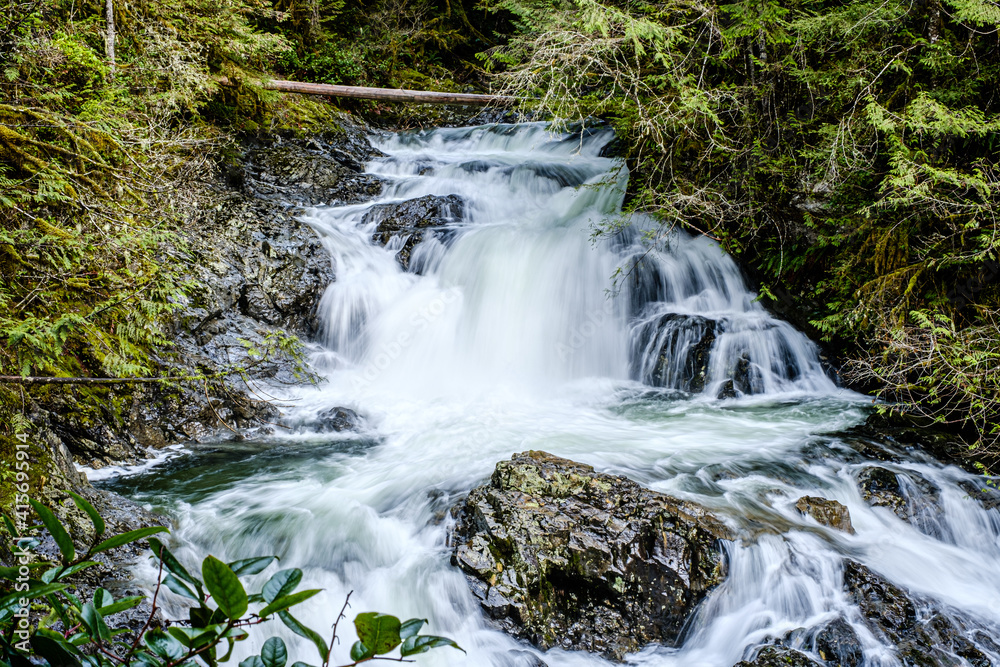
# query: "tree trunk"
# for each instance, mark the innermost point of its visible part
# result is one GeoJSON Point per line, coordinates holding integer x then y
{"type": "Point", "coordinates": [109, 39]}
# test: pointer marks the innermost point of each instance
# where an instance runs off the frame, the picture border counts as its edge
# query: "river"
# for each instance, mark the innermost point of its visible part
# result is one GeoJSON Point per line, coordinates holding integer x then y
{"type": "Point", "coordinates": [516, 329]}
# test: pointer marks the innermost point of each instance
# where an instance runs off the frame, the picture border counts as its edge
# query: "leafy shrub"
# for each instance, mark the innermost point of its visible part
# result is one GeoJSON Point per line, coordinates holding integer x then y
{"type": "Point", "coordinates": [75, 633]}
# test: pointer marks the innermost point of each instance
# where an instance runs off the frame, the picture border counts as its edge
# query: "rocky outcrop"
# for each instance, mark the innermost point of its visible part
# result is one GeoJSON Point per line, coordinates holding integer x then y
{"type": "Point", "coordinates": [564, 556]}
{"type": "Point", "coordinates": [411, 221]}
{"type": "Point", "coordinates": [910, 496]}
{"type": "Point", "coordinates": [335, 420]}
{"type": "Point", "coordinates": [261, 273]}
{"type": "Point", "coordinates": [826, 512]}
{"type": "Point", "coordinates": [257, 276]}
{"type": "Point", "coordinates": [923, 635]}
{"type": "Point", "coordinates": [672, 351]}
{"type": "Point", "coordinates": [838, 644]}
{"type": "Point", "coordinates": [778, 656]}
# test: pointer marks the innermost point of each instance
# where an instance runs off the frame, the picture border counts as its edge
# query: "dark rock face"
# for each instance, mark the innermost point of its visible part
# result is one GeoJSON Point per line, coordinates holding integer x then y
{"type": "Point", "coordinates": [338, 419]}
{"type": "Point", "coordinates": [923, 636]}
{"type": "Point", "coordinates": [746, 377]}
{"type": "Point", "coordinates": [880, 488]}
{"type": "Point", "coordinates": [837, 644]}
{"type": "Point", "coordinates": [987, 496]}
{"type": "Point", "coordinates": [560, 555]}
{"type": "Point", "coordinates": [680, 346]}
{"type": "Point", "coordinates": [910, 497]}
{"type": "Point", "coordinates": [262, 274]}
{"type": "Point", "coordinates": [826, 512]}
{"type": "Point", "coordinates": [411, 221]}
{"type": "Point", "coordinates": [779, 656]}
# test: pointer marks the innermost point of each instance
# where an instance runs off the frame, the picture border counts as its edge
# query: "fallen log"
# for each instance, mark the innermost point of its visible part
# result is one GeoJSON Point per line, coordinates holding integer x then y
{"type": "Point", "coordinates": [386, 94]}
{"type": "Point", "coordinates": [21, 379]}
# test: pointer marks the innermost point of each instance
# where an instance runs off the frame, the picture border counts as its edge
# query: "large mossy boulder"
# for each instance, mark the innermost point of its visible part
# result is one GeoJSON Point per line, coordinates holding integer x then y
{"type": "Point", "coordinates": [561, 555]}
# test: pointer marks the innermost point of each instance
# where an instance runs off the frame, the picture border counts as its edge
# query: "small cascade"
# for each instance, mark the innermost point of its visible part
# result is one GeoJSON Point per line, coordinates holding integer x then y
{"type": "Point", "coordinates": [473, 317]}
{"type": "Point", "coordinates": [697, 327]}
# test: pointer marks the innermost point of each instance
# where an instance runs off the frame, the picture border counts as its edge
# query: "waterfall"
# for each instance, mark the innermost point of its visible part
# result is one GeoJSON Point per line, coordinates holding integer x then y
{"type": "Point", "coordinates": [514, 290]}
{"type": "Point", "coordinates": [490, 324]}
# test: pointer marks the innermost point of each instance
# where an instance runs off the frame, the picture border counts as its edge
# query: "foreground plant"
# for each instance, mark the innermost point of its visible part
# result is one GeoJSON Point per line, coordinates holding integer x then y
{"type": "Point", "coordinates": [72, 632]}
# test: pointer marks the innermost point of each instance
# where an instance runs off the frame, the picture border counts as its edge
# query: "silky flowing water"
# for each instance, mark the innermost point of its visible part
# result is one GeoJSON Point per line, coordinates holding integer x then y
{"type": "Point", "coordinates": [513, 332]}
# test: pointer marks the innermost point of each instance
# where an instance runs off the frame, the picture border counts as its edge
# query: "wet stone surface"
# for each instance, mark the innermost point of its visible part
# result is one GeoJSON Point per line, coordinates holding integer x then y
{"type": "Point", "coordinates": [563, 556]}
{"type": "Point", "coordinates": [408, 223]}
{"type": "Point", "coordinates": [826, 512]}
{"type": "Point", "coordinates": [923, 633]}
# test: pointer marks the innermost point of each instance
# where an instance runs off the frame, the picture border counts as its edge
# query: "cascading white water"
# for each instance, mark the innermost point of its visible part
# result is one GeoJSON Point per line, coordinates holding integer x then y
{"type": "Point", "coordinates": [511, 338]}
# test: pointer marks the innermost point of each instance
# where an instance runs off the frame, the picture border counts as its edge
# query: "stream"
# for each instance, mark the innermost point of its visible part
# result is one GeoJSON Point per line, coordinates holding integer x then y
{"type": "Point", "coordinates": [516, 329]}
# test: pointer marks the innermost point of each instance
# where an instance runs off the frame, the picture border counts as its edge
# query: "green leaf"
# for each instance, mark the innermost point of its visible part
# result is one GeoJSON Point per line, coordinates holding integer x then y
{"type": "Point", "coordinates": [9, 525]}
{"type": "Point", "coordinates": [121, 605]}
{"type": "Point", "coordinates": [274, 653]}
{"type": "Point", "coordinates": [94, 623]}
{"type": "Point", "coordinates": [422, 643]}
{"type": "Point", "coordinates": [411, 627]}
{"type": "Point", "coordinates": [281, 583]}
{"type": "Point", "coordinates": [195, 637]}
{"type": "Point", "coordinates": [55, 527]}
{"type": "Point", "coordinates": [286, 601]}
{"type": "Point", "coordinates": [102, 598]}
{"type": "Point", "coordinates": [379, 632]}
{"type": "Point", "coordinates": [251, 565]}
{"type": "Point", "coordinates": [95, 517]}
{"type": "Point", "coordinates": [224, 587]}
{"type": "Point", "coordinates": [60, 572]}
{"type": "Point", "coordinates": [126, 538]}
{"type": "Point", "coordinates": [32, 593]}
{"type": "Point", "coordinates": [142, 659]}
{"type": "Point", "coordinates": [179, 587]}
{"type": "Point", "coordinates": [360, 652]}
{"type": "Point", "coordinates": [301, 664]}
{"type": "Point", "coordinates": [295, 626]}
{"type": "Point", "coordinates": [58, 653]}
{"type": "Point", "coordinates": [163, 645]}
{"type": "Point", "coordinates": [252, 661]}
{"type": "Point", "coordinates": [171, 563]}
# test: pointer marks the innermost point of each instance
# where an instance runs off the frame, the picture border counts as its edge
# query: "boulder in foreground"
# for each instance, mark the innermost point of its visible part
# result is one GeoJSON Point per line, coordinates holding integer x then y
{"type": "Point", "coordinates": [561, 555]}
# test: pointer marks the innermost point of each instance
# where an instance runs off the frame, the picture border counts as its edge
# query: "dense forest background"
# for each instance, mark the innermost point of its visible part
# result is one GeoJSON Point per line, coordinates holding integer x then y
{"type": "Point", "coordinates": [844, 151]}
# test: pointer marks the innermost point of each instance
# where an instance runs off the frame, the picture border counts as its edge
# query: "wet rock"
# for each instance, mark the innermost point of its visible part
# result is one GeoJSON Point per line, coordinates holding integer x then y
{"type": "Point", "coordinates": [923, 635]}
{"type": "Point", "coordinates": [880, 488]}
{"type": "Point", "coordinates": [337, 420]}
{"type": "Point", "coordinates": [838, 644]}
{"type": "Point", "coordinates": [910, 496]}
{"type": "Point", "coordinates": [672, 351]}
{"type": "Point", "coordinates": [727, 390]}
{"type": "Point", "coordinates": [560, 555]}
{"type": "Point", "coordinates": [410, 221]}
{"type": "Point", "coordinates": [826, 512]}
{"type": "Point", "coordinates": [747, 378]}
{"type": "Point", "coordinates": [982, 492]}
{"type": "Point", "coordinates": [261, 274]}
{"type": "Point", "coordinates": [779, 656]}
